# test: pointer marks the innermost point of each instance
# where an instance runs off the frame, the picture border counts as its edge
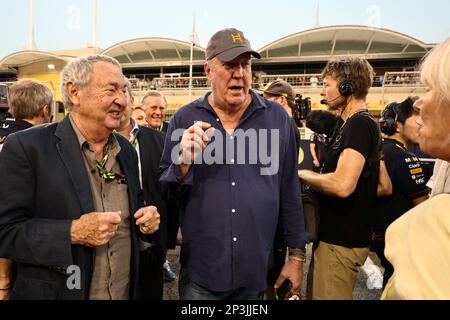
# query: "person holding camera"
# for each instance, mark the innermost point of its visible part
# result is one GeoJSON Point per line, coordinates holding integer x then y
{"type": "Point", "coordinates": [348, 182]}
{"type": "Point", "coordinates": [321, 123]}
{"type": "Point", "coordinates": [281, 91]}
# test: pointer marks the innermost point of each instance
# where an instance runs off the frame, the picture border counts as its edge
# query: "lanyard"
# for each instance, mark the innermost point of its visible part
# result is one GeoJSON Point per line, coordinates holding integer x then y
{"type": "Point", "coordinates": [105, 174]}
{"type": "Point", "coordinates": [108, 175]}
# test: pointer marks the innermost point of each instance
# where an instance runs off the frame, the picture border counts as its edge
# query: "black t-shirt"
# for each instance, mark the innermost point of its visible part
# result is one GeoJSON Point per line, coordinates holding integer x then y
{"type": "Point", "coordinates": [408, 183]}
{"type": "Point", "coordinates": [347, 222]}
{"type": "Point", "coordinates": [320, 146]}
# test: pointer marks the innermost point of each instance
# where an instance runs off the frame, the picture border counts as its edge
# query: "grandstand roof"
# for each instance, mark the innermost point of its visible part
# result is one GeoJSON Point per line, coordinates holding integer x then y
{"type": "Point", "coordinates": [77, 52]}
{"type": "Point", "coordinates": [322, 43]}
{"type": "Point", "coordinates": [23, 58]}
{"type": "Point", "coordinates": [155, 52]}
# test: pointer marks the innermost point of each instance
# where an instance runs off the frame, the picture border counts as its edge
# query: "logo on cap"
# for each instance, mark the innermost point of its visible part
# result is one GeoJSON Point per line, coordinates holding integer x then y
{"type": "Point", "coordinates": [227, 44]}
{"type": "Point", "coordinates": [237, 37]}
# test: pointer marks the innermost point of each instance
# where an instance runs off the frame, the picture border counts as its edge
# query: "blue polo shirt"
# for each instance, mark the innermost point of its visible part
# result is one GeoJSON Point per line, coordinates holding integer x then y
{"type": "Point", "coordinates": [230, 209]}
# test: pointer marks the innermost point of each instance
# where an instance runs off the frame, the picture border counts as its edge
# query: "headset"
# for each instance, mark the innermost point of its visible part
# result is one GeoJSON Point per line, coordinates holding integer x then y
{"type": "Point", "coordinates": [346, 86]}
{"type": "Point", "coordinates": [388, 120]}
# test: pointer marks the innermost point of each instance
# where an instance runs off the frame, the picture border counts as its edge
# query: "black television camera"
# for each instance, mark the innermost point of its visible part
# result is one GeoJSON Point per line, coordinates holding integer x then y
{"type": "Point", "coordinates": [3, 96]}
{"type": "Point", "coordinates": [301, 109]}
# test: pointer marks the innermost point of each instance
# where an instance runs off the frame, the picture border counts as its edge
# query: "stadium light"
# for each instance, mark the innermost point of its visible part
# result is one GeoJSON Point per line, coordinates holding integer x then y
{"type": "Point", "coordinates": [94, 24]}
{"type": "Point", "coordinates": [192, 38]}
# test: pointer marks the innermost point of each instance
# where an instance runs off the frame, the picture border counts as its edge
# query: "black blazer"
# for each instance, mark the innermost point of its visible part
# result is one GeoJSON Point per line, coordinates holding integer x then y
{"type": "Point", "coordinates": [44, 186]}
{"type": "Point", "coordinates": [151, 145]}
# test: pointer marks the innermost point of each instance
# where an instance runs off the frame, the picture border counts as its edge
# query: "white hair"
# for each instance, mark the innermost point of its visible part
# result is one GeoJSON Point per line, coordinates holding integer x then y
{"type": "Point", "coordinates": [154, 93]}
{"type": "Point", "coordinates": [435, 70]}
{"type": "Point", "coordinates": [79, 73]}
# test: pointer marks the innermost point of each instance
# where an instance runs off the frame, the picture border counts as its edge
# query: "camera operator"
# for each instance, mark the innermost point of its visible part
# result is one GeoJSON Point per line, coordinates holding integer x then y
{"type": "Point", "coordinates": [321, 123]}
{"type": "Point", "coordinates": [348, 182]}
{"type": "Point", "coordinates": [281, 91]}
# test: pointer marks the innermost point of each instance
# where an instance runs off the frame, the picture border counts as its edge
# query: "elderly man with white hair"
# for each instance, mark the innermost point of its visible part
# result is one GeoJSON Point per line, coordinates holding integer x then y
{"type": "Point", "coordinates": [70, 195]}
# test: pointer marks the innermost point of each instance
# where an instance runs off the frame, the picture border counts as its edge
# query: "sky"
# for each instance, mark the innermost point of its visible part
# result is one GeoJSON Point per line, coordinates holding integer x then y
{"type": "Point", "coordinates": [67, 24]}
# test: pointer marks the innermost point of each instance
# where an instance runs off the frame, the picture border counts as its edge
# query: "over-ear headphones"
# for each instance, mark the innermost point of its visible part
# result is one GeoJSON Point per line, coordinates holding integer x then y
{"type": "Point", "coordinates": [388, 120]}
{"type": "Point", "coordinates": [346, 86]}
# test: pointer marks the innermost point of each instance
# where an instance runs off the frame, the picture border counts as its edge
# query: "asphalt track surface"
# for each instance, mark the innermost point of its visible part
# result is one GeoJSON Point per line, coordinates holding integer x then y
{"type": "Point", "coordinates": [361, 291]}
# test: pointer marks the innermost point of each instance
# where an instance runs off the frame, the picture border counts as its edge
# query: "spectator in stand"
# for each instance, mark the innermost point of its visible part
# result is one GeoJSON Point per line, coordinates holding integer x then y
{"type": "Point", "coordinates": [302, 81]}
{"type": "Point", "coordinates": [314, 81]}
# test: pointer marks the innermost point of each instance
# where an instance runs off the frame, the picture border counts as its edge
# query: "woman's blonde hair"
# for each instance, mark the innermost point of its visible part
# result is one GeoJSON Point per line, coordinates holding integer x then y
{"type": "Point", "coordinates": [435, 71]}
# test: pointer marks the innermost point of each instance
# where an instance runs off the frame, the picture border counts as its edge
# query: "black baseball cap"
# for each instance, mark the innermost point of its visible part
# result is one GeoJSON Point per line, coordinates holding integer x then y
{"type": "Point", "coordinates": [228, 44]}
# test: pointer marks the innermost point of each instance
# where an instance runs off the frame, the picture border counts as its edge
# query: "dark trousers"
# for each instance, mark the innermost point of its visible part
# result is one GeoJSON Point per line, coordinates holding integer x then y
{"type": "Point", "coordinates": [151, 277]}
{"type": "Point", "coordinates": [279, 256]}
{"type": "Point", "coordinates": [378, 247]}
{"type": "Point", "coordinates": [189, 290]}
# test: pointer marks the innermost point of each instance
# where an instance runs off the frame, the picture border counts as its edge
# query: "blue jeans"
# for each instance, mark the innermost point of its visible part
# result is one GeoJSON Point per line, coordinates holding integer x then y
{"type": "Point", "coordinates": [189, 290]}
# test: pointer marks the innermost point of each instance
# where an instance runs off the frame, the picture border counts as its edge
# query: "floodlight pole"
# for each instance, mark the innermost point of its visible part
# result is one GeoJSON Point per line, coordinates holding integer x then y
{"type": "Point", "coordinates": [190, 69]}
{"type": "Point", "coordinates": [94, 24]}
{"type": "Point", "coordinates": [30, 25]}
{"type": "Point", "coordinates": [193, 41]}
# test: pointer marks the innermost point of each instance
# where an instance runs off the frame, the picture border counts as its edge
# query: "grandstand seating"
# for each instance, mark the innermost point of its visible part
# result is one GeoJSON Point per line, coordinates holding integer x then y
{"type": "Point", "coordinates": [163, 64]}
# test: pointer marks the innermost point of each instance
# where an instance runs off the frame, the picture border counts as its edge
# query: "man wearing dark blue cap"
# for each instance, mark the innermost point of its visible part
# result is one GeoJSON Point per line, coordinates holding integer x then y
{"type": "Point", "coordinates": [231, 200]}
{"type": "Point", "coordinates": [281, 91]}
